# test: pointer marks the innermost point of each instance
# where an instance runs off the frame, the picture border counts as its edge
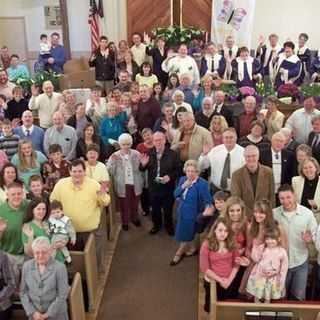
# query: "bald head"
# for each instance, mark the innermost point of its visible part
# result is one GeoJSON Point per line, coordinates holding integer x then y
{"type": "Point", "coordinates": [27, 118]}
{"type": "Point", "coordinates": [58, 120]}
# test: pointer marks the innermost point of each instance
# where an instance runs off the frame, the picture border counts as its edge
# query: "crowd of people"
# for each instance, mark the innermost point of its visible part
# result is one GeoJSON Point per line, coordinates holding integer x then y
{"type": "Point", "coordinates": [161, 133]}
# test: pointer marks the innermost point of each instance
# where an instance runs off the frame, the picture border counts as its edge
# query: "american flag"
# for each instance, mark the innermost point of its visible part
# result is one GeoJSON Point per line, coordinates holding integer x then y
{"type": "Point", "coordinates": [95, 14]}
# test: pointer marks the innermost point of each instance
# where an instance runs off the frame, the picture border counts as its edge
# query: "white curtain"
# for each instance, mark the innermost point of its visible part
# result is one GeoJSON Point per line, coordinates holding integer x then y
{"type": "Point", "coordinates": [232, 17]}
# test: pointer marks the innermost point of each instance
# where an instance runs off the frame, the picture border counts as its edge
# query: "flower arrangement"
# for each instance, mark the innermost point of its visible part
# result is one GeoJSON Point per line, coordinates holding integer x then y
{"type": "Point", "coordinates": [265, 90]}
{"type": "Point", "coordinates": [174, 35]}
{"type": "Point", "coordinates": [288, 90]}
{"type": "Point", "coordinates": [38, 79]}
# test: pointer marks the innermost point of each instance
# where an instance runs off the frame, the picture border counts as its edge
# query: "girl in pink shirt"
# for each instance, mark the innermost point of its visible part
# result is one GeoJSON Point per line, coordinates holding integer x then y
{"type": "Point", "coordinates": [267, 278]}
{"type": "Point", "coordinates": [218, 256]}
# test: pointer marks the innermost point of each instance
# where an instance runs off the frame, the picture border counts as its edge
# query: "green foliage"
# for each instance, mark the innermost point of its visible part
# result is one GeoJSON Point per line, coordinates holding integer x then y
{"type": "Point", "coordinates": [174, 35]}
{"type": "Point", "coordinates": [265, 90]}
{"type": "Point", "coordinates": [38, 79]}
{"type": "Point", "coordinates": [230, 89]}
{"type": "Point", "coordinates": [311, 90]}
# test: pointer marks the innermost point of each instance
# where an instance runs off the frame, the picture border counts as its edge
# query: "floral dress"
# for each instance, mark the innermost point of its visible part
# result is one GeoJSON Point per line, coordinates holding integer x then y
{"type": "Point", "coordinates": [268, 259]}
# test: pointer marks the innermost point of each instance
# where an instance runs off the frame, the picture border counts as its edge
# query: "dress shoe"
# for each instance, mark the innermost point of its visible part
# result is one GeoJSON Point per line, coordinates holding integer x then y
{"type": "Point", "coordinates": [154, 230]}
{"type": "Point", "coordinates": [137, 223]}
{"type": "Point", "coordinates": [125, 227]}
{"type": "Point", "coordinates": [177, 259]}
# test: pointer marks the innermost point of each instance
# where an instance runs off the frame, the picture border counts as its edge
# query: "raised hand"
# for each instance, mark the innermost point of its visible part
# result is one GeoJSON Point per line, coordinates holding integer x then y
{"type": "Point", "coordinates": [34, 90]}
{"type": "Point", "coordinates": [144, 160]}
{"type": "Point", "coordinates": [261, 40]}
{"type": "Point", "coordinates": [28, 231]}
{"type": "Point", "coordinates": [146, 38]}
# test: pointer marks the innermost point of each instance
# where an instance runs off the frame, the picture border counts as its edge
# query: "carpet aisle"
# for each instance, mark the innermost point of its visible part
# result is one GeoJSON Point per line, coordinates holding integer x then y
{"type": "Point", "coordinates": [141, 284]}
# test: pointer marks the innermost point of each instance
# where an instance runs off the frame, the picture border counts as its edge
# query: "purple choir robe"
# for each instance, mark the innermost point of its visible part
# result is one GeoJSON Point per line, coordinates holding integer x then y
{"type": "Point", "coordinates": [266, 59]}
{"type": "Point", "coordinates": [244, 75]}
{"type": "Point", "coordinates": [215, 65]}
{"type": "Point", "coordinates": [292, 67]}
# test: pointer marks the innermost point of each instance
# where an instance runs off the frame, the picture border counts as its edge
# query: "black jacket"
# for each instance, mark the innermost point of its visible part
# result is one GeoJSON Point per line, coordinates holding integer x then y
{"type": "Point", "coordinates": [227, 113]}
{"type": "Point", "coordinates": [287, 163]}
{"type": "Point", "coordinates": [169, 165]}
{"type": "Point", "coordinates": [105, 66]}
{"type": "Point", "coordinates": [315, 149]}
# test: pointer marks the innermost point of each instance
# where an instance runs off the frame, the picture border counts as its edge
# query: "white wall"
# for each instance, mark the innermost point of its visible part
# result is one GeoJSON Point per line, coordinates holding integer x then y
{"type": "Point", "coordinates": [33, 11]}
{"type": "Point", "coordinates": [287, 18]}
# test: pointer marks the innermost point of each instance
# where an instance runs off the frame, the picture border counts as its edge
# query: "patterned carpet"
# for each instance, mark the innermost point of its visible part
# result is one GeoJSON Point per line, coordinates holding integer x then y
{"type": "Point", "coordinates": [142, 285]}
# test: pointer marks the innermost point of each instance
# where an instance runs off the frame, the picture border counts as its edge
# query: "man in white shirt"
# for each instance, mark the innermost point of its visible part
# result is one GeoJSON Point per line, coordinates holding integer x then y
{"type": "Point", "coordinates": [223, 160]}
{"type": "Point", "coordinates": [46, 103]}
{"type": "Point", "coordinates": [63, 135]}
{"type": "Point", "coordinates": [138, 49]}
{"type": "Point", "coordinates": [300, 120]}
{"type": "Point", "coordinates": [182, 64]}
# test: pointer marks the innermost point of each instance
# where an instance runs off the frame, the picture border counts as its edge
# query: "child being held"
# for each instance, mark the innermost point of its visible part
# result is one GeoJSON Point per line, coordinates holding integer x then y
{"type": "Point", "coordinates": [206, 221]}
{"type": "Point", "coordinates": [45, 47]}
{"type": "Point", "coordinates": [267, 278]}
{"type": "Point", "coordinates": [61, 228]}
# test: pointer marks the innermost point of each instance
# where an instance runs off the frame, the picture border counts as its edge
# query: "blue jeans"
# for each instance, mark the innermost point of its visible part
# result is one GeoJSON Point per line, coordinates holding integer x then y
{"type": "Point", "coordinates": [296, 282]}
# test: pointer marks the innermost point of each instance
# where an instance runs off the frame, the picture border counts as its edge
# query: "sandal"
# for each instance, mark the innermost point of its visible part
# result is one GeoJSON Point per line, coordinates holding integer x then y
{"type": "Point", "coordinates": [177, 259]}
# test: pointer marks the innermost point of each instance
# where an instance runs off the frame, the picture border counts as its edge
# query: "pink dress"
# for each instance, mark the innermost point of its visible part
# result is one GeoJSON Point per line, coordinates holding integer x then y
{"type": "Point", "coordinates": [268, 259]}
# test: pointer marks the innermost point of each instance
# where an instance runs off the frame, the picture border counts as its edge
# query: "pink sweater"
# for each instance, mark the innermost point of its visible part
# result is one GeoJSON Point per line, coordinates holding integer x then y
{"type": "Point", "coordinates": [220, 263]}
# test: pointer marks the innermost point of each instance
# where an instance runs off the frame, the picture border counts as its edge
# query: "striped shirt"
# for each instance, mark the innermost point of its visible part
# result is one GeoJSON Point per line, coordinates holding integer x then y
{"type": "Point", "coordinates": [9, 145]}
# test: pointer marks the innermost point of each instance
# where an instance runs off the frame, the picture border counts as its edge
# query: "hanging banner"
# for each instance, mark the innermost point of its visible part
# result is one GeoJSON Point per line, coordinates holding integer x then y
{"type": "Point", "coordinates": [232, 18]}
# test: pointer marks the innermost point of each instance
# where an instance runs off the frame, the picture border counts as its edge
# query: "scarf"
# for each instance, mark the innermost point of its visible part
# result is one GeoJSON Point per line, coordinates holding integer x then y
{"type": "Point", "coordinates": [241, 62]}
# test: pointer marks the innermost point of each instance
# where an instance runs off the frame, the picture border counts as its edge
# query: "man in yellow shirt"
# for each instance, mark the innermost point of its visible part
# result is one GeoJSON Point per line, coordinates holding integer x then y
{"type": "Point", "coordinates": [82, 199]}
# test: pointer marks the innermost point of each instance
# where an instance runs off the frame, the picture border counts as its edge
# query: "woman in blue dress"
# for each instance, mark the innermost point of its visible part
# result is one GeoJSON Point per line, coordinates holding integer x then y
{"type": "Point", "coordinates": [193, 196]}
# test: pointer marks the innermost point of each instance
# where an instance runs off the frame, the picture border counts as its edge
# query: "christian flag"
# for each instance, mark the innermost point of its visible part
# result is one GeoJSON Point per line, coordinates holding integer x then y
{"type": "Point", "coordinates": [95, 14]}
{"type": "Point", "coordinates": [235, 18]}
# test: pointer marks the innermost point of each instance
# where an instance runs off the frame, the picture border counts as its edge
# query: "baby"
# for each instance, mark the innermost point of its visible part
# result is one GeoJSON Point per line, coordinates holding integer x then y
{"type": "Point", "coordinates": [61, 228]}
{"type": "Point", "coordinates": [45, 47]}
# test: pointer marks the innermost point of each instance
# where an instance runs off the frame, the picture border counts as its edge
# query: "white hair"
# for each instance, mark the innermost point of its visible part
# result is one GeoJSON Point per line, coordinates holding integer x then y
{"type": "Point", "coordinates": [177, 93]}
{"type": "Point", "coordinates": [41, 242]}
{"type": "Point", "coordinates": [125, 137]}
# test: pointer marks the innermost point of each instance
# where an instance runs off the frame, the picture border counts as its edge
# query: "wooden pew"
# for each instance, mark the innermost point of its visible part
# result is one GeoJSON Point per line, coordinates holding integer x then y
{"type": "Point", "coordinates": [236, 310]}
{"type": "Point", "coordinates": [85, 262]}
{"type": "Point", "coordinates": [76, 305]}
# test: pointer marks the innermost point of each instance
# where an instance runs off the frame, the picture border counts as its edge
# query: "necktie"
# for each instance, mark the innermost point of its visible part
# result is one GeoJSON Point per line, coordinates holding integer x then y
{"type": "Point", "coordinates": [230, 53]}
{"type": "Point", "coordinates": [276, 156]}
{"type": "Point", "coordinates": [225, 173]}
{"type": "Point", "coordinates": [212, 65]}
{"type": "Point", "coordinates": [315, 141]}
{"type": "Point", "coordinates": [215, 110]}
{"type": "Point", "coordinates": [28, 133]}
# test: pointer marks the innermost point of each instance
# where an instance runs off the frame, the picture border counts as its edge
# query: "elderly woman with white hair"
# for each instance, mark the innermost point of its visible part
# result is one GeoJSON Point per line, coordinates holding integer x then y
{"type": "Point", "coordinates": [44, 284]}
{"type": "Point", "coordinates": [193, 196]}
{"type": "Point", "coordinates": [123, 165]}
{"type": "Point", "coordinates": [178, 101]}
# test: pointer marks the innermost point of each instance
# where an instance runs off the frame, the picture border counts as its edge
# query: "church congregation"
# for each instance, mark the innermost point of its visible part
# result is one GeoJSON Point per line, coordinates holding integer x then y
{"type": "Point", "coordinates": [234, 180]}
